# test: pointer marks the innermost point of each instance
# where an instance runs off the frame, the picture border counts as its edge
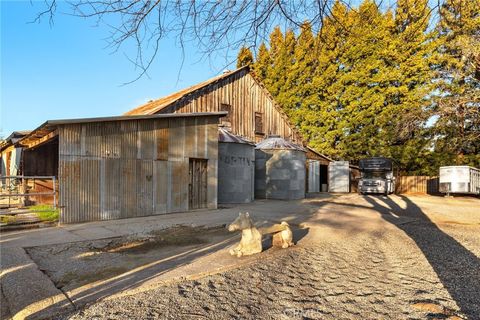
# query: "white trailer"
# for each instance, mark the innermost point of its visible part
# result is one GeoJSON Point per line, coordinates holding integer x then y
{"type": "Point", "coordinates": [459, 179]}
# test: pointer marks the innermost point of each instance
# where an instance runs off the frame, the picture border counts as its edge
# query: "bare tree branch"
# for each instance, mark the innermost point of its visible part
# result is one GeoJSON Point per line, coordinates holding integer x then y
{"type": "Point", "coordinates": [214, 26]}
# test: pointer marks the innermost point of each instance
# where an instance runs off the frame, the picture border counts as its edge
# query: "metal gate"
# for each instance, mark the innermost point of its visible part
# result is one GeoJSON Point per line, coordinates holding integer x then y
{"type": "Point", "coordinates": [21, 190]}
{"type": "Point", "coordinates": [197, 187]}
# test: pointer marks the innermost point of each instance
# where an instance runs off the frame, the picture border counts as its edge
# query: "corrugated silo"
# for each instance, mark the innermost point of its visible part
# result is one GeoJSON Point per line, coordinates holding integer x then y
{"type": "Point", "coordinates": [279, 169]}
{"type": "Point", "coordinates": [236, 168]}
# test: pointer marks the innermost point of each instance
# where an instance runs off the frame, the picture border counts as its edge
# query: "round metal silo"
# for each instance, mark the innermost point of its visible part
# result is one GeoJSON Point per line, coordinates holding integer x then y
{"type": "Point", "coordinates": [279, 169]}
{"type": "Point", "coordinates": [236, 168]}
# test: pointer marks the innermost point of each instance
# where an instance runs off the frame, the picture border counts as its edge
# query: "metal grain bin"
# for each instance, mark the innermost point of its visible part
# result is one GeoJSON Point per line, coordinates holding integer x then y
{"type": "Point", "coordinates": [236, 168]}
{"type": "Point", "coordinates": [279, 170]}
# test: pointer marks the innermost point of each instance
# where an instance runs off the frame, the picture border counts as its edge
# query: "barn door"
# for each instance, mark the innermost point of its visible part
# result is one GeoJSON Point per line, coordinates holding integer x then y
{"type": "Point", "coordinates": [197, 187]}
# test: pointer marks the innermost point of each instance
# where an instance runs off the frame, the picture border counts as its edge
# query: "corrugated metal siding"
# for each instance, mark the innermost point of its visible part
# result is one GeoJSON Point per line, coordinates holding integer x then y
{"type": "Point", "coordinates": [133, 168]}
{"type": "Point", "coordinates": [313, 176]}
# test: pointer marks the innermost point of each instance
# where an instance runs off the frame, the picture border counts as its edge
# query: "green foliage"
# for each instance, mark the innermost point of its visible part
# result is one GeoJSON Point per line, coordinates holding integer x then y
{"type": "Point", "coordinates": [46, 212]}
{"type": "Point", "coordinates": [369, 82]}
{"type": "Point", "coordinates": [8, 219]}
{"type": "Point", "coordinates": [458, 109]}
{"type": "Point", "coordinates": [245, 57]}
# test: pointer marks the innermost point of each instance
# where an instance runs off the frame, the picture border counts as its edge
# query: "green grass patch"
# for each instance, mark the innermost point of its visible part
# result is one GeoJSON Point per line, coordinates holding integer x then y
{"type": "Point", "coordinates": [46, 212]}
{"type": "Point", "coordinates": [7, 219]}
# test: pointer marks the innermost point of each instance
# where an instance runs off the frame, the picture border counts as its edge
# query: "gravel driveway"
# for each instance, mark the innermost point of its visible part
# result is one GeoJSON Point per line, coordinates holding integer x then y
{"type": "Point", "coordinates": [363, 258]}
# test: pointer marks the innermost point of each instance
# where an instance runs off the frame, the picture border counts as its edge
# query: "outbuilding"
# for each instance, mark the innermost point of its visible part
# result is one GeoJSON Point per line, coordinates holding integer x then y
{"type": "Point", "coordinates": [129, 166]}
{"type": "Point", "coordinates": [253, 113]}
{"type": "Point", "coordinates": [279, 169]}
{"type": "Point", "coordinates": [236, 168]}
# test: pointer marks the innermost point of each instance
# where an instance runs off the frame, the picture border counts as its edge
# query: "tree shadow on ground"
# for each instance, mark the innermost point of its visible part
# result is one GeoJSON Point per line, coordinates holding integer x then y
{"type": "Point", "coordinates": [141, 277]}
{"type": "Point", "coordinates": [457, 268]}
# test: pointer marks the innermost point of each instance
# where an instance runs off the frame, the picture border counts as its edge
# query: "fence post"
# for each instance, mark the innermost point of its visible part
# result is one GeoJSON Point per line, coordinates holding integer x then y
{"type": "Point", "coordinates": [24, 191]}
{"type": "Point", "coordinates": [54, 193]}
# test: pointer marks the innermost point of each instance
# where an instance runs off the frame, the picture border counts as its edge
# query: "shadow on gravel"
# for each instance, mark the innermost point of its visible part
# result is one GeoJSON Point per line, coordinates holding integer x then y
{"type": "Point", "coordinates": [131, 279]}
{"type": "Point", "coordinates": [457, 268]}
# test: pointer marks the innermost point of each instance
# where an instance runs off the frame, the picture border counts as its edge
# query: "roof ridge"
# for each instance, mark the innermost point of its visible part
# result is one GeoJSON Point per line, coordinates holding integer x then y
{"type": "Point", "coordinates": [156, 105]}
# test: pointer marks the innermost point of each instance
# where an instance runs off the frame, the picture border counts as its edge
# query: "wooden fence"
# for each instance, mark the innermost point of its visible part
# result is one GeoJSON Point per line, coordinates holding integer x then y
{"type": "Point", "coordinates": [417, 184]}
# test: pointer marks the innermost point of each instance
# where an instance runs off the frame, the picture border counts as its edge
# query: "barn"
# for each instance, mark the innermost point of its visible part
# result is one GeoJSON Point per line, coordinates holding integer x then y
{"type": "Point", "coordinates": [128, 166]}
{"type": "Point", "coordinates": [252, 113]}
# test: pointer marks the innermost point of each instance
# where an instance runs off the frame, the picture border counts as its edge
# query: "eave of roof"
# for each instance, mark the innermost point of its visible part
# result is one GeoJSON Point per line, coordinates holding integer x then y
{"type": "Point", "coordinates": [13, 138]}
{"type": "Point", "coordinates": [51, 125]}
{"type": "Point", "coordinates": [320, 154]}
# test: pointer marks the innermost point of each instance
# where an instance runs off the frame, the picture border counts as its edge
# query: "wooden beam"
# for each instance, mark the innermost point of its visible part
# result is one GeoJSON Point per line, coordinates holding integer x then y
{"type": "Point", "coordinates": [38, 142]}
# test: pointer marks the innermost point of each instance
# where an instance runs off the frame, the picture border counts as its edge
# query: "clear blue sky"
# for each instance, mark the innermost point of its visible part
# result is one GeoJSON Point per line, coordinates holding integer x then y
{"type": "Point", "coordinates": [65, 71]}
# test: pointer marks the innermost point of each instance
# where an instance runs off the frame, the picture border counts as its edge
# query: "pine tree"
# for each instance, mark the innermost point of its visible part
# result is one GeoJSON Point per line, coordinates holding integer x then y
{"type": "Point", "coordinates": [412, 55]}
{"type": "Point", "coordinates": [281, 49]}
{"type": "Point", "coordinates": [262, 63]}
{"type": "Point", "coordinates": [364, 85]}
{"type": "Point", "coordinates": [320, 123]}
{"type": "Point", "coordinates": [300, 75]}
{"type": "Point", "coordinates": [458, 125]}
{"type": "Point", "coordinates": [245, 57]}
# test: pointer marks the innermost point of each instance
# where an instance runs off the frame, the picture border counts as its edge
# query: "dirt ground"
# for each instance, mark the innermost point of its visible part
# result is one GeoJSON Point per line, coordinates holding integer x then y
{"type": "Point", "coordinates": [76, 264]}
{"type": "Point", "coordinates": [364, 257]}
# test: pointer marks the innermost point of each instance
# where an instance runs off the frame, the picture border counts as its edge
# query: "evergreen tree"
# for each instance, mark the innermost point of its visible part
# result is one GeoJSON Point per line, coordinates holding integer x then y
{"type": "Point", "coordinates": [262, 63]}
{"type": "Point", "coordinates": [413, 54]}
{"type": "Point", "coordinates": [300, 75]}
{"type": "Point", "coordinates": [245, 57]}
{"type": "Point", "coordinates": [281, 51]}
{"type": "Point", "coordinates": [458, 127]}
{"type": "Point", "coordinates": [365, 84]}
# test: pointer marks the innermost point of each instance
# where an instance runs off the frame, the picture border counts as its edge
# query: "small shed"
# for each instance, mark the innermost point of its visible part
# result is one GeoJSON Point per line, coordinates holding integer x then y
{"type": "Point", "coordinates": [129, 166]}
{"type": "Point", "coordinates": [279, 169]}
{"type": "Point", "coordinates": [339, 176]}
{"type": "Point", "coordinates": [236, 168]}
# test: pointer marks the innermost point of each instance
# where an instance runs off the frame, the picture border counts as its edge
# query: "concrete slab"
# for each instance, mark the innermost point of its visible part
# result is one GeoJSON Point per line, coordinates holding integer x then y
{"type": "Point", "coordinates": [37, 237]}
{"type": "Point", "coordinates": [95, 232]}
{"type": "Point", "coordinates": [27, 290]}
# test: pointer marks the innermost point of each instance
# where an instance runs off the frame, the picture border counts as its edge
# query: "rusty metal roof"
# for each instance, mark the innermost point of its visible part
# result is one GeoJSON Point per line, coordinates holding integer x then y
{"type": "Point", "coordinates": [276, 142]}
{"type": "Point", "coordinates": [225, 136]}
{"type": "Point", "coordinates": [154, 106]}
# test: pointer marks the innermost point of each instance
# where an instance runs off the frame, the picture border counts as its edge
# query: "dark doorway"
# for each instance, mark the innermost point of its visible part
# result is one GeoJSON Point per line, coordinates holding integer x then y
{"type": "Point", "coordinates": [323, 178]}
{"type": "Point", "coordinates": [197, 186]}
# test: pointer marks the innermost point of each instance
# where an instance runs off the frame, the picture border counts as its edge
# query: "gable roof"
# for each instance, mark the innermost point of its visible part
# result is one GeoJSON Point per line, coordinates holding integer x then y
{"type": "Point", "coordinates": [155, 106]}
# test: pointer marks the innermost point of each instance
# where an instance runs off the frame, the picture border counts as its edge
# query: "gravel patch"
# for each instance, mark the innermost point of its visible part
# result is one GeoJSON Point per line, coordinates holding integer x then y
{"type": "Point", "coordinates": [75, 264]}
{"type": "Point", "coordinates": [377, 275]}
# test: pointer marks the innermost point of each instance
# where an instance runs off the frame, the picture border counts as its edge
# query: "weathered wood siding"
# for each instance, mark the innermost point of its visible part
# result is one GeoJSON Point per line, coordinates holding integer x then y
{"type": "Point", "coordinates": [123, 169]}
{"type": "Point", "coordinates": [246, 96]}
{"type": "Point", "coordinates": [417, 185]}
